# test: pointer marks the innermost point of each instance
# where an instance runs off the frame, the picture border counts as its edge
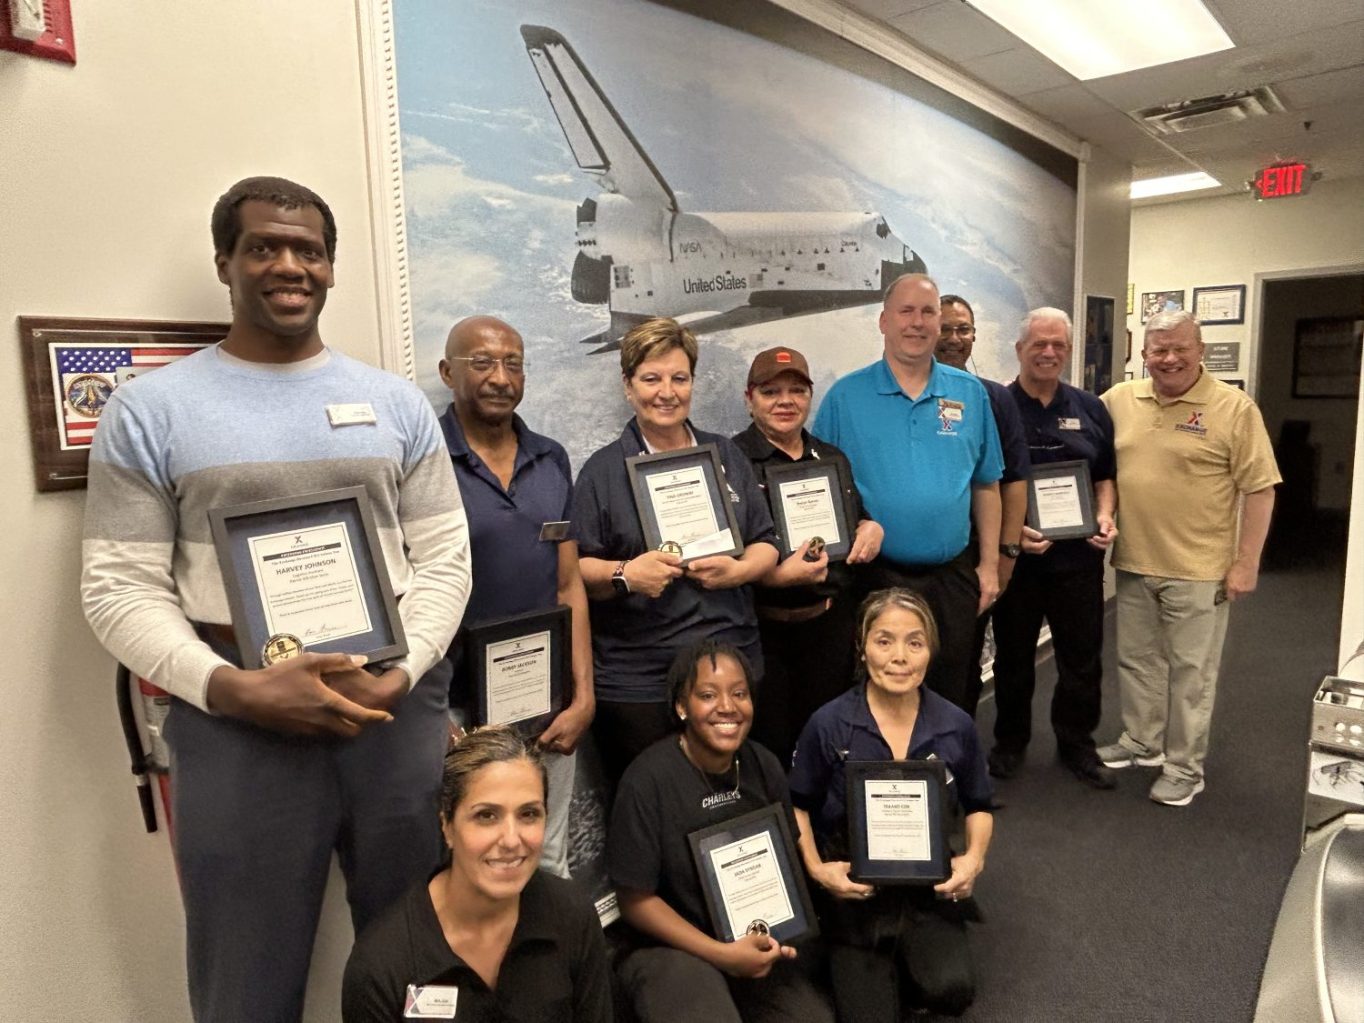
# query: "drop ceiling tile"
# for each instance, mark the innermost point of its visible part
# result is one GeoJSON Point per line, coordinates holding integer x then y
{"type": "Point", "coordinates": [1262, 21]}
{"type": "Point", "coordinates": [1018, 71]}
{"type": "Point", "coordinates": [1299, 93]}
{"type": "Point", "coordinates": [954, 31]}
{"type": "Point", "coordinates": [1069, 102]}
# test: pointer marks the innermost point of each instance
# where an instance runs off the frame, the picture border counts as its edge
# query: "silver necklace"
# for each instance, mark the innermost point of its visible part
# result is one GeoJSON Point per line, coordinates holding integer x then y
{"type": "Point", "coordinates": [706, 778]}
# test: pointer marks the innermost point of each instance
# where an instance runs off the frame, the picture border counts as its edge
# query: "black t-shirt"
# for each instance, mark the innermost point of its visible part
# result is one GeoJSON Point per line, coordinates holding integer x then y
{"type": "Point", "coordinates": [554, 970]}
{"type": "Point", "coordinates": [662, 799]}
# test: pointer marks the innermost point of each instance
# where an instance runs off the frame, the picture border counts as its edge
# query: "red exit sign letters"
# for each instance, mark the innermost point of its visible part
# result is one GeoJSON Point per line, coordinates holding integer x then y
{"type": "Point", "coordinates": [1282, 179]}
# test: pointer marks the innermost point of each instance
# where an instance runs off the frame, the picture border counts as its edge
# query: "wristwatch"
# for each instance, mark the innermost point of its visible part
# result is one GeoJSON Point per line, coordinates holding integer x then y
{"type": "Point", "coordinates": [1010, 550]}
{"type": "Point", "coordinates": [619, 582]}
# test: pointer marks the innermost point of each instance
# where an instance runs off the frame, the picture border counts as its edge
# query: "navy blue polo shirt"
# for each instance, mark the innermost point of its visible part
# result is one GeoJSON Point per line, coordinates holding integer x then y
{"type": "Point", "coordinates": [916, 460]}
{"type": "Point", "coordinates": [514, 571]}
{"type": "Point", "coordinates": [1075, 426]}
{"type": "Point", "coordinates": [1013, 444]}
{"type": "Point", "coordinates": [634, 637]}
{"type": "Point", "coordinates": [844, 729]}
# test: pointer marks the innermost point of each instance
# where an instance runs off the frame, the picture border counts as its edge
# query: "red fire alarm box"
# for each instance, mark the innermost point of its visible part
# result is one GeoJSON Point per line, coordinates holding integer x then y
{"type": "Point", "coordinates": [38, 28]}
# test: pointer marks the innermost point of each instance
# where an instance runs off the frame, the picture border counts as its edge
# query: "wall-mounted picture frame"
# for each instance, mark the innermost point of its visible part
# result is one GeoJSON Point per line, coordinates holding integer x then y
{"type": "Point", "coordinates": [1326, 357]}
{"type": "Point", "coordinates": [1153, 302]}
{"type": "Point", "coordinates": [72, 366]}
{"type": "Point", "coordinates": [1224, 303]}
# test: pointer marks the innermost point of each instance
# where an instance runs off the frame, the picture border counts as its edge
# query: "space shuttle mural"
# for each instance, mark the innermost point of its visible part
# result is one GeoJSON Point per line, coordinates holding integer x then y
{"type": "Point", "coordinates": [642, 257]}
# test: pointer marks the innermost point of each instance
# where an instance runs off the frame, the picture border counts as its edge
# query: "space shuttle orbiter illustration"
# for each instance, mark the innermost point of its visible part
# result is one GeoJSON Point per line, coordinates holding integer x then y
{"type": "Point", "coordinates": [643, 257]}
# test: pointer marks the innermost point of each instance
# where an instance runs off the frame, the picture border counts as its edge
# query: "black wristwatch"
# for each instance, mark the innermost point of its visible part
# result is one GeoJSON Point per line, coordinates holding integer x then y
{"type": "Point", "coordinates": [619, 582]}
{"type": "Point", "coordinates": [1010, 550]}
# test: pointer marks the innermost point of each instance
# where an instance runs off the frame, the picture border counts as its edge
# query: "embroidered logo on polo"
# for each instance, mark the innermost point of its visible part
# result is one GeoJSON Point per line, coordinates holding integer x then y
{"type": "Point", "coordinates": [1194, 424]}
{"type": "Point", "coordinates": [949, 413]}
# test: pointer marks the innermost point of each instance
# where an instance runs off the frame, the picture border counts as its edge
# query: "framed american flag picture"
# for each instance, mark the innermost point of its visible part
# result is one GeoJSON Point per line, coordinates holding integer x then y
{"type": "Point", "coordinates": [71, 367]}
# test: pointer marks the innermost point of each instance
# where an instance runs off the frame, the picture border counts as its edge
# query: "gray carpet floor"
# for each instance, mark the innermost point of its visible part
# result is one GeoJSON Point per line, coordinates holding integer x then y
{"type": "Point", "coordinates": [1105, 906]}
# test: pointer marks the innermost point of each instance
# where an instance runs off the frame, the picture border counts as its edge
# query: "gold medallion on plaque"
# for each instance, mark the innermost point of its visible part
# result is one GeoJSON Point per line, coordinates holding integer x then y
{"type": "Point", "coordinates": [670, 547]}
{"type": "Point", "coordinates": [280, 647]}
{"type": "Point", "coordinates": [815, 549]}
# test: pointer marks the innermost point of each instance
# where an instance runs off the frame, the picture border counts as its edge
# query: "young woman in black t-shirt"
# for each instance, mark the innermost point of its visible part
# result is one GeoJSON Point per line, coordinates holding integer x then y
{"type": "Point", "coordinates": [705, 774]}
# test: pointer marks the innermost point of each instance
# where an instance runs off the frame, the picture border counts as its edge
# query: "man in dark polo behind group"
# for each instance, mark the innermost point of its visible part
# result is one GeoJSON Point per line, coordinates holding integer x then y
{"type": "Point", "coordinates": [518, 493]}
{"type": "Point", "coordinates": [925, 451]}
{"type": "Point", "coordinates": [1062, 582]}
{"type": "Point", "coordinates": [805, 606]}
{"type": "Point", "coordinates": [956, 341]}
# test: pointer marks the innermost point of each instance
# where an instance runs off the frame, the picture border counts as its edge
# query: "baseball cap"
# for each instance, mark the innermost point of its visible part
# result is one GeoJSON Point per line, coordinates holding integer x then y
{"type": "Point", "coordinates": [768, 364]}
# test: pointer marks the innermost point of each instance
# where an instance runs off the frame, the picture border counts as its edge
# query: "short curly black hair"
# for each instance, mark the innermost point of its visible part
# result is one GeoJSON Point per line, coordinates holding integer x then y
{"type": "Point", "coordinates": [687, 664]}
{"type": "Point", "coordinates": [289, 195]}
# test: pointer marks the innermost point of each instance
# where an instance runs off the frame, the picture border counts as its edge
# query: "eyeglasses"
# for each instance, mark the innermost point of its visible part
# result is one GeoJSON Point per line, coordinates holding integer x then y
{"type": "Point", "coordinates": [485, 363]}
{"type": "Point", "coordinates": [961, 330]}
{"type": "Point", "coordinates": [1178, 353]}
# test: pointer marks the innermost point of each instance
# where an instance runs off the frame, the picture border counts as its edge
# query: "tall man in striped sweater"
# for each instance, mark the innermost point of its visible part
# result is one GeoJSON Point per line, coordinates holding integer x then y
{"type": "Point", "coordinates": [274, 769]}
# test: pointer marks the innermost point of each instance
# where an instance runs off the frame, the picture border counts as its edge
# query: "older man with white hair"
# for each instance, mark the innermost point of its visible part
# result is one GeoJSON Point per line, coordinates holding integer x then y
{"type": "Point", "coordinates": [1061, 581]}
{"type": "Point", "coordinates": [1196, 476]}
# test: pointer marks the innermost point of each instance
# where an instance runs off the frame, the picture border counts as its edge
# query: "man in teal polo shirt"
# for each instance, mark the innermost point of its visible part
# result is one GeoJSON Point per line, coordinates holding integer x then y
{"type": "Point", "coordinates": [925, 453]}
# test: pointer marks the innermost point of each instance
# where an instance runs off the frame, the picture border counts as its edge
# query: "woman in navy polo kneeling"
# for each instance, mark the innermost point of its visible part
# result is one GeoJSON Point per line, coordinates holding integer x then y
{"type": "Point", "coordinates": [874, 934]}
{"type": "Point", "coordinates": [704, 774]}
{"type": "Point", "coordinates": [489, 938]}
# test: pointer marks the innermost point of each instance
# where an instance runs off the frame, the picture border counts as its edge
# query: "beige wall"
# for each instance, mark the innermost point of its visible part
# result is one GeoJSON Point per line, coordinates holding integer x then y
{"type": "Point", "coordinates": [111, 168]}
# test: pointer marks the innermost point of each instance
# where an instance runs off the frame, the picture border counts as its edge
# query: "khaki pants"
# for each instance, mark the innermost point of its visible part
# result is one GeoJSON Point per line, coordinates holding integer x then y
{"type": "Point", "coordinates": [1170, 635]}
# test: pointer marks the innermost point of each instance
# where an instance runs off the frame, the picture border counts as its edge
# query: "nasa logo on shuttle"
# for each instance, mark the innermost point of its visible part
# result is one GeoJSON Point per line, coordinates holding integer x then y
{"type": "Point", "coordinates": [720, 282]}
{"type": "Point", "coordinates": [689, 247]}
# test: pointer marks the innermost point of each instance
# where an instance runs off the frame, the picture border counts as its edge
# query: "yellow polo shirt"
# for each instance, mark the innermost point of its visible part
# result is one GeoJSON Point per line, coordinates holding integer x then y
{"type": "Point", "coordinates": [1182, 468]}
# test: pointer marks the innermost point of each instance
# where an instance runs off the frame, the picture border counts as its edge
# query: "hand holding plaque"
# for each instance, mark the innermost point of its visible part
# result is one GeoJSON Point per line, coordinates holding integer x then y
{"type": "Point", "coordinates": [897, 822]}
{"type": "Point", "coordinates": [683, 501]}
{"type": "Point", "coordinates": [810, 504]}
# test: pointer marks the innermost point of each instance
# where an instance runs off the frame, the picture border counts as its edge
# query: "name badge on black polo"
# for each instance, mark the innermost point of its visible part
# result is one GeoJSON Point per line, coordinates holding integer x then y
{"type": "Point", "coordinates": [1067, 423]}
{"type": "Point", "coordinates": [430, 1001]}
{"type": "Point", "coordinates": [554, 532]}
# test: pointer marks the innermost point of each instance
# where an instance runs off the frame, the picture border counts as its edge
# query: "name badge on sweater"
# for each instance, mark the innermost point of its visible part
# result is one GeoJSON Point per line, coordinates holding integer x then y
{"type": "Point", "coordinates": [353, 414]}
{"type": "Point", "coordinates": [430, 1001]}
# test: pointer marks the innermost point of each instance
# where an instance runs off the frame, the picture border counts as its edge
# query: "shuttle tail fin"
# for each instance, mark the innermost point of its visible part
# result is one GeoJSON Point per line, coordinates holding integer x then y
{"type": "Point", "coordinates": [601, 143]}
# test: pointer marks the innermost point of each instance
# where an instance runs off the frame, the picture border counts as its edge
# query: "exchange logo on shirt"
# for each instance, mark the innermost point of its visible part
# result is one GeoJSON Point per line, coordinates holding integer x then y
{"type": "Point", "coordinates": [1194, 424]}
{"type": "Point", "coordinates": [949, 412]}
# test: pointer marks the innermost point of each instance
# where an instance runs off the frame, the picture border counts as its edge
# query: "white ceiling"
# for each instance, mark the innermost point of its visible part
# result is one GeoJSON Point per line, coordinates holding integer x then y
{"type": "Point", "coordinates": [1311, 52]}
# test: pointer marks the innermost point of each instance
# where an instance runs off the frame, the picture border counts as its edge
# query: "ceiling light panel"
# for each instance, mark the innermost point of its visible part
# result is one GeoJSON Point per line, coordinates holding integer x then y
{"type": "Point", "coordinates": [1173, 184]}
{"type": "Point", "coordinates": [1096, 39]}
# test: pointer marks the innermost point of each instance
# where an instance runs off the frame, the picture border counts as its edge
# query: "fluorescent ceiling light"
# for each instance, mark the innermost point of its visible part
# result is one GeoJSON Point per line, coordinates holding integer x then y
{"type": "Point", "coordinates": [1172, 184]}
{"type": "Point", "coordinates": [1094, 38]}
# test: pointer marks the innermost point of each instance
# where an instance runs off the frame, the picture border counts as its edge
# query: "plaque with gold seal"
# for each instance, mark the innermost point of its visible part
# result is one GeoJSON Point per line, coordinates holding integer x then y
{"type": "Point", "coordinates": [307, 573]}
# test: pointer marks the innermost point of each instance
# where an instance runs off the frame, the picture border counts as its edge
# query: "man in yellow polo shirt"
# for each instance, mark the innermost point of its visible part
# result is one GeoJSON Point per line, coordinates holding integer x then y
{"type": "Point", "coordinates": [1194, 462]}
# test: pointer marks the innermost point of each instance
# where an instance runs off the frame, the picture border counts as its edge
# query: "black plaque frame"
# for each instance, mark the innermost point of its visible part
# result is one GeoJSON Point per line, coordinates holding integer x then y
{"type": "Point", "coordinates": [830, 470]}
{"type": "Point", "coordinates": [233, 529]}
{"type": "Point", "coordinates": [558, 622]}
{"type": "Point", "coordinates": [865, 870]}
{"type": "Point", "coordinates": [640, 467]}
{"type": "Point", "coordinates": [772, 820]}
{"type": "Point", "coordinates": [1079, 469]}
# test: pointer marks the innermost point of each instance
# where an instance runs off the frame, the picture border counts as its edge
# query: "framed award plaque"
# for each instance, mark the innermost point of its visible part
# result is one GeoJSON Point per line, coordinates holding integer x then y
{"type": "Point", "coordinates": [809, 501]}
{"type": "Point", "coordinates": [752, 878]}
{"type": "Point", "coordinates": [521, 666]}
{"type": "Point", "coordinates": [1061, 500]}
{"type": "Point", "coordinates": [307, 573]}
{"type": "Point", "coordinates": [898, 822]}
{"type": "Point", "coordinates": [683, 502]}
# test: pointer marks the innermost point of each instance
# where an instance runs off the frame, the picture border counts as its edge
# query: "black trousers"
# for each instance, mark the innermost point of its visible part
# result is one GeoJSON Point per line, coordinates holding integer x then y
{"type": "Point", "coordinates": [806, 664]}
{"type": "Point", "coordinates": [1072, 603]}
{"type": "Point", "coordinates": [952, 591]}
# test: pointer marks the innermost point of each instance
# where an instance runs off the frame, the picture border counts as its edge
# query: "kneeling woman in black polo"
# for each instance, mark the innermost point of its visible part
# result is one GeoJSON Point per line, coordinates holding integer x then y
{"type": "Point", "coordinates": [676, 972]}
{"type": "Point", "coordinates": [489, 938]}
{"type": "Point", "coordinates": [873, 932]}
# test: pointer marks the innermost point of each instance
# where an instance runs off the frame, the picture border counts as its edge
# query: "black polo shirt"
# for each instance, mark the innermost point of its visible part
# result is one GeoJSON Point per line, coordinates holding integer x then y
{"type": "Point", "coordinates": [634, 638]}
{"type": "Point", "coordinates": [1075, 426]}
{"type": "Point", "coordinates": [762, 453]}
{"type": "Point", "coordinates": [554, 970]}
{"type": "Point", "coordinates": [844, 729]}
{"type": "Point", "coordinates": [1013, 445]}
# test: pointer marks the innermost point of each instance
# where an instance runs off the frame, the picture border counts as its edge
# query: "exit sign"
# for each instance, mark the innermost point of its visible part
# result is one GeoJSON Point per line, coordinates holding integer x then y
{"type": "Point", "coordinates": [1282, 179]}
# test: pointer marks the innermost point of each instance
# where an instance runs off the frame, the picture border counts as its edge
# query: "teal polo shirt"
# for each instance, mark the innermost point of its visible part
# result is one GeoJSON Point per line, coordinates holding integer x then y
{"type": "Point", "coordinates": [915, 461]}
